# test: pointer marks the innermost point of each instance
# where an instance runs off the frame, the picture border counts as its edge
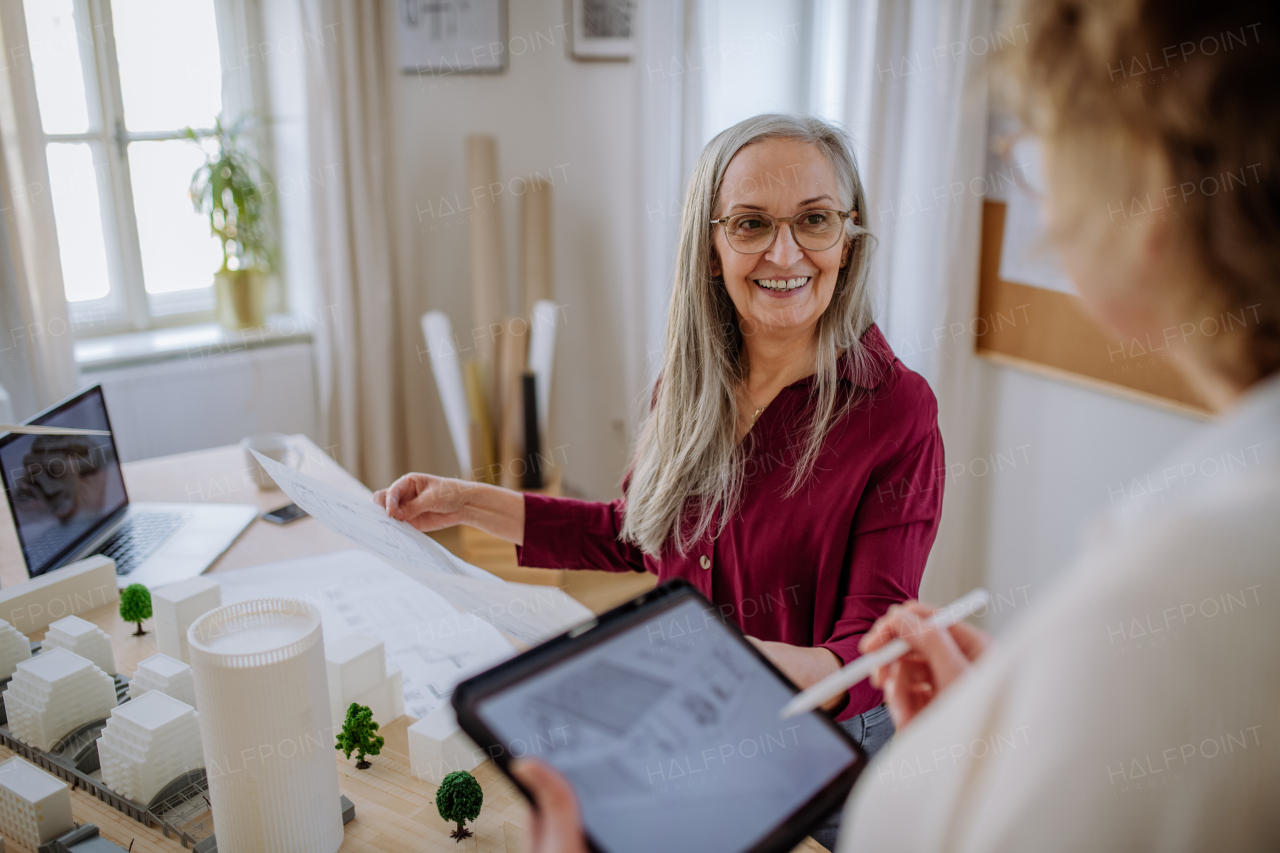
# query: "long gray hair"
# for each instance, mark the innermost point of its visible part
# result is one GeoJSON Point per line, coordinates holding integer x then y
{"type": "Point", "coordinates": [689, 461]}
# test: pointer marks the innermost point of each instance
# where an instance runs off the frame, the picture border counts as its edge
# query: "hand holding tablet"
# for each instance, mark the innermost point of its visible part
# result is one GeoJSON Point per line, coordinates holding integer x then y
{"type": "Point", "coordinates": [665, 720]}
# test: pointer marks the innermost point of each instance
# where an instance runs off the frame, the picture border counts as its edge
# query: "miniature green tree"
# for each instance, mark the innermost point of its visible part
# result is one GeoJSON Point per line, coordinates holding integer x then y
{"type": "Point", "coordinates": [459, 799]}
{"type": "Point", "coordinates": [135, 605]}
{"type": "Point", "coordinates": [359, 735]}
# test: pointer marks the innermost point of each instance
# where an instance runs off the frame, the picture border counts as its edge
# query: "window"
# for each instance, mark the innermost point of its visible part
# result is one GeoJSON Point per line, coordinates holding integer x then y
{"type": "Point", "coordinates": [118, 82]}
{"type": "Point", "coordinates": [771, 56]}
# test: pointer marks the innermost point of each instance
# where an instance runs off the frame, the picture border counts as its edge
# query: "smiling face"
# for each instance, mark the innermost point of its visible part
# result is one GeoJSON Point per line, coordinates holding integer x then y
{"type": "Point", "coordinates": [785, 289]}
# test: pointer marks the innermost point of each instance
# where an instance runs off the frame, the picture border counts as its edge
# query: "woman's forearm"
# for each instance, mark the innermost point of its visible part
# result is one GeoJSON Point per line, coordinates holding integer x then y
{"type": "Point", "coordinates": [496, 511]}
{"type": "Point", "coordinates": [804, 666]}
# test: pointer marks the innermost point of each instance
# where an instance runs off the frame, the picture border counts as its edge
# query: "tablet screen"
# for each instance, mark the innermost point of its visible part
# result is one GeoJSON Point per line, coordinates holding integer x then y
{"type": "Point", "coordinates": [670, 734]}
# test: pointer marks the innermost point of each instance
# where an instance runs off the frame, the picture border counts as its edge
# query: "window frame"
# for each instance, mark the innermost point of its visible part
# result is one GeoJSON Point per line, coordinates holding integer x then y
{"type": "Point", "coordinates": [128, 307]}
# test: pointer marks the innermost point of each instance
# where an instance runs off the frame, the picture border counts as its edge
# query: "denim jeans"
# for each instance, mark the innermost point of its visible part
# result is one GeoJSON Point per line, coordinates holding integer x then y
{"type": "Point", "coordinates": [871, 730]}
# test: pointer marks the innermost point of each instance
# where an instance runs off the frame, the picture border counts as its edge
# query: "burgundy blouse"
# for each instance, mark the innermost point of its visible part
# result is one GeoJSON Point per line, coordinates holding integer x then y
{"type": "Point", "coordinates": [815, 569]}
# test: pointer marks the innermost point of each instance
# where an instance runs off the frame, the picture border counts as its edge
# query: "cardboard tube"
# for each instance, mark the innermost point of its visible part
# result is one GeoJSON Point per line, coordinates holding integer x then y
{"type": "Point", "coordinates": [488, 259]}
{"type": "Point", "coordinates": [482, 444]}
{"type": "Point", "coordinates": [513, 349]}
{"type": "Point", "coordinates": [535, 243]}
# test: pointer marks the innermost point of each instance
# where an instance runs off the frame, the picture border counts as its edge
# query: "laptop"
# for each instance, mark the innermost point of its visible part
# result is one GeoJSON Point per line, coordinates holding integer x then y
{"type": "Point", "coordinates": [68, 502]}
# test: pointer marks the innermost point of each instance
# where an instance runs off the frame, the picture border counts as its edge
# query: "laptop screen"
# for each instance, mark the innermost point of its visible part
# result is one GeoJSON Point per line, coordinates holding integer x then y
{"type": "Point", "coordinates": [62, 489]}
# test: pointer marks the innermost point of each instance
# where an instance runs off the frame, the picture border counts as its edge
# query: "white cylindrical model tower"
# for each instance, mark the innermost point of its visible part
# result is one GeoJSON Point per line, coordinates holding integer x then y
{"type": "Point", "coordinates": [264, 722]}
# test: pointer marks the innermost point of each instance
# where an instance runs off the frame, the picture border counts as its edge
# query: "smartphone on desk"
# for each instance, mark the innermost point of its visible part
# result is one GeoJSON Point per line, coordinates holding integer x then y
{"type": "Point", "coordinates": [285, 514]}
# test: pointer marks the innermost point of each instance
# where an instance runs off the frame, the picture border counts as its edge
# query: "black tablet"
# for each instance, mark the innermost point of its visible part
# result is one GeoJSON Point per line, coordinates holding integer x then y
{"type": "Point", "coordinates": [665, 719]}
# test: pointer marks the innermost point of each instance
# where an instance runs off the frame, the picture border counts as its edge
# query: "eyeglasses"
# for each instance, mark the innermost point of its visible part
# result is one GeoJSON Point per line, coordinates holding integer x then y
{"type": "Point", "coordinates": [815, 230]}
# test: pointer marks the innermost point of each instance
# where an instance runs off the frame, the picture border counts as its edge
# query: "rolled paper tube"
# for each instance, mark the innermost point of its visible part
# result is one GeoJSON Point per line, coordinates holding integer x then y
{"type": "Point", "coordinates": [532, 478]}
{"type": "Point", "coordinates": [535, 242]}
{"type": "Point", "coordinates": [542, 346]}
{"type": "Point", "coordinates": [483, 449]}
{"type": "Point", "coordinates": [443, 349]}
{"type": "Point", "coordinates": [513, 347]}
{"type": "Point", "coordinates": [488, 256]}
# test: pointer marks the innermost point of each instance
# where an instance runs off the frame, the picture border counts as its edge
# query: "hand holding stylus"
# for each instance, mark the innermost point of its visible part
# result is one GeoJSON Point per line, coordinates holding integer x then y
{"type": "Point", "coordinates": [938, 656]}
{"type": "Point", "coordinates": [911, 639]}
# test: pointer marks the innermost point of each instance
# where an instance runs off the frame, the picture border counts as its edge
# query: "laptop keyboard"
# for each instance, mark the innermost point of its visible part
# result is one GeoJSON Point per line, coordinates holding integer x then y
{"type": "Point", "coordinates": [140, 536]}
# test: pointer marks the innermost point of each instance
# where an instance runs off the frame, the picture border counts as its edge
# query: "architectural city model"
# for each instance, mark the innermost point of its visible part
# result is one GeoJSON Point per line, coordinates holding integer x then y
{"type": "Point", "coordinates": [438, 746]}
{"type": "Point", "coordinates": [35, 807]}
{"type": "Point", "coordinates": [55, 693]}
{"type": "Point", "coordinates": [264, 716]}
{"type": "Point", "coordinates": [14, 649]}
{"type": "Point", "coordinates": [82, 638]}
{"type": "Point", "coordinates": [149, 742]}
{"type": "Point", "coordinates": [33, 604]}
{"type": "Point", "coordinates": [168, 675]}
{"type": "Point", "coordinates": [358, 672]}
{"type": "Point", "coordinates": [175, 607]}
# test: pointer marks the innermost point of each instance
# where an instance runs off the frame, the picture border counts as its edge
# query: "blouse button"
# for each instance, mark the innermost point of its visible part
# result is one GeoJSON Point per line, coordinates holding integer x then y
{"type": "Point", "coordinates": [705, 562]}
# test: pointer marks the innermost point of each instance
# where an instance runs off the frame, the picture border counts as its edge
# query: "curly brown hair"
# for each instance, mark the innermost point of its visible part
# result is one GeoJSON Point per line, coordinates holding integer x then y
{"type": "Point", "coordinates": [1183, 92]}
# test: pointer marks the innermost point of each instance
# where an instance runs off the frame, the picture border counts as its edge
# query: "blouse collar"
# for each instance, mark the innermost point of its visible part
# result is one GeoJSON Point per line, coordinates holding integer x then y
{"type": "Point", "coordinates": [879, 363]}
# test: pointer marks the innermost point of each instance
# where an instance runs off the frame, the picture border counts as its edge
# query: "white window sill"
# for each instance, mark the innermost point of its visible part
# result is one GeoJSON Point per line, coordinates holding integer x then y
{"type": "Point", "coordinates": [199, 340]}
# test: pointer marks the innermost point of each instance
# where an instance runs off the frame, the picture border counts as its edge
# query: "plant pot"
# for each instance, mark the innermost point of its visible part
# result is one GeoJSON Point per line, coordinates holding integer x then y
{"type": "Point", "coordinates": [242, 298]}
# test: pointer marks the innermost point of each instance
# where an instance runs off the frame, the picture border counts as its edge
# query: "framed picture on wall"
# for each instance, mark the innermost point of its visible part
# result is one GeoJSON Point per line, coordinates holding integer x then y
{"type": "Point", "coordinates": [603, 29]}
{"type": "Point", "coordinates": [452, 36]}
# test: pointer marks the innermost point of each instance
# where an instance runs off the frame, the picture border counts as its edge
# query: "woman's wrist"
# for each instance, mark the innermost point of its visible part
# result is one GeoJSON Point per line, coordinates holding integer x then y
{"type": "Point", "coordinates": [493, 509]}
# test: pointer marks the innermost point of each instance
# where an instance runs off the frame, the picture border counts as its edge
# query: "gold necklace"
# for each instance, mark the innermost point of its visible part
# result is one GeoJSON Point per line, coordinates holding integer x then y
{"type": "Point", "coordinates": [756, 416]}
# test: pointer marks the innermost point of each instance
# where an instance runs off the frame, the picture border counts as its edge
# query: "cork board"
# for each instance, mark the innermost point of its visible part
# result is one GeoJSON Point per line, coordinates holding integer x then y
{"type": "Point", "coordinates": [1048, 333]}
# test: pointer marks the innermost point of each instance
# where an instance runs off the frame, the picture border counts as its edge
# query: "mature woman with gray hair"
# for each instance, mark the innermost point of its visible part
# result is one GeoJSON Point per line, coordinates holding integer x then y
{"type": "Point", "coordinates": [789, 467]}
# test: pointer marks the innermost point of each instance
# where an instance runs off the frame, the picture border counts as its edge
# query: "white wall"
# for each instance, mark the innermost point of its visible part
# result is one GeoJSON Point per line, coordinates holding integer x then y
{"type": "Point", "coordinates": [578, 121]}
{"type": "Point", "coordinates": [1074, 452]}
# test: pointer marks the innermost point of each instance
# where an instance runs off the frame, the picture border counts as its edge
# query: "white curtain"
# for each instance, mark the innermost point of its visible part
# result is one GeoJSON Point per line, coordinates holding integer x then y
{"type": "Point", "coordinates": [917, 109]}
{"type": "Point", "coordinates": [348, 271]}
{"type": "Point", "coordinates": [37, 362]}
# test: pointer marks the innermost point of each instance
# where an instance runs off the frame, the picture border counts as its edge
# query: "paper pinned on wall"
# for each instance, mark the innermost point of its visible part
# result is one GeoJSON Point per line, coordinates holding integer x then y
{"type": "Point", "coordinates": [1025, 254]}
{"type": "Point", "coordinates": [433, 644]}
{"type": "Point", "coordinates": [445, 366]}
{"type": "Point", "coordinates": [530, 614]}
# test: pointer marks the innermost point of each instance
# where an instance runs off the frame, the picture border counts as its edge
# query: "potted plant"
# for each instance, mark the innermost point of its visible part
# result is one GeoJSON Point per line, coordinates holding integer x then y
{"type": "Point", "coordinates": [227, 189]}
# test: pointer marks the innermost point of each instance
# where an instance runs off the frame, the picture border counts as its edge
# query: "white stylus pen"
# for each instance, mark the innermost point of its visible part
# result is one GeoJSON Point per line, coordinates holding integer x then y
{"type": "Point", "coordinates": [845, 677]}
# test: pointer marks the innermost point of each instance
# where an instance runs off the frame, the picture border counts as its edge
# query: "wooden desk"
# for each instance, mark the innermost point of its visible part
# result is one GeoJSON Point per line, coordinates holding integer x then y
{"type": "Point", "coordinates": [395, 811]}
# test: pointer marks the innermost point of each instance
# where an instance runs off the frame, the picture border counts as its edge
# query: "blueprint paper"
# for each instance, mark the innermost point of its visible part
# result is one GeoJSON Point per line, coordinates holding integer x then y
{"type": "Point", "coordinates": [365, 523]}
{"type": "Point", "coordinates": [529, 613]}
{"type": "Point", "coordinates": [433, 644]}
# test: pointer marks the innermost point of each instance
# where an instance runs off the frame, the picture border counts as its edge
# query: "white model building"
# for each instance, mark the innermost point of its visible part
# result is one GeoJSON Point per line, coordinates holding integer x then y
{"type": "Point", "coordinates": [35, 806]}
{"type": "Point", "coordinates": [168, 675]}
{"type": "Point", "coordinates": [149, 742]}
{"type": "Point", "coordinates": [55, 693]}
{"type": "Point", "coordinates": [437, 746]}
{"type": "Point", "coordinates": [14, 649]}
{"type": "Point", "coordinates": [175, 607]}
{"type": "Point", "coordinates": [75, 588]}
{"type": "Point", "coordinates": [358, 672]}
{"type": "Point", "coordinates": [82, 638]}
{"type": "Point", "coordinates": [264, 720]}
